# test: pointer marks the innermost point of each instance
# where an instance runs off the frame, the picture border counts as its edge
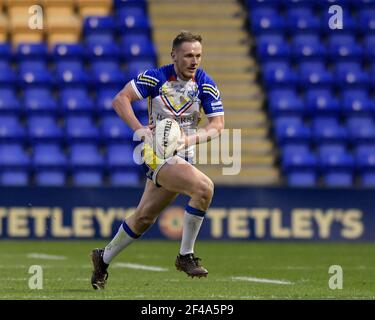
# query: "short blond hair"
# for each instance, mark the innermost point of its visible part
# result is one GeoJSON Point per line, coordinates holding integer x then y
{"type": "Point", "coordinates": [186, 36]}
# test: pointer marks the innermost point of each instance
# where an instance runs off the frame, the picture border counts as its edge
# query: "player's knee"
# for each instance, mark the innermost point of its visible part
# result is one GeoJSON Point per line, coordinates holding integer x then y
{"type": "Point", "coordinates": [204, 192]}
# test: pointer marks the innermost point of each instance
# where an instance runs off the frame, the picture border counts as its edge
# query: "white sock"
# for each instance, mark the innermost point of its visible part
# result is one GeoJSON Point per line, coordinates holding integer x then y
{"type": "Point", "coordinates": [124, 237]}
{"type": "Point", "coordinates": [193, 219]}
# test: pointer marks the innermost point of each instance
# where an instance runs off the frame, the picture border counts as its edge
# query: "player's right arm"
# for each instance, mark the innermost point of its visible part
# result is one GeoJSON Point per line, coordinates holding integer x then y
{"type": "Point", "coordinates": [122, 105]}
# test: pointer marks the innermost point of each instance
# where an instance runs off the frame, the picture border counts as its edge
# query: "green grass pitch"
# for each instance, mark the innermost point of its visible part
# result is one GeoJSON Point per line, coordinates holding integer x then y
{"type": "Point", "coordinates": [293, 271]}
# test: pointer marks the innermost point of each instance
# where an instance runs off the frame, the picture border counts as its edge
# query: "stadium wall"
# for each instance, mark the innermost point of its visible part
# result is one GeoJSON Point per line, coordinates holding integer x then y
{"type": "Point", "coordinates": [236, 213]}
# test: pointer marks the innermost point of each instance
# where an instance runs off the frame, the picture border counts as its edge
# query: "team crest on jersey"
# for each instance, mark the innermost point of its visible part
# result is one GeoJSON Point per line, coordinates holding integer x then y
{"type": "Point", "coordinates": [179, 97]}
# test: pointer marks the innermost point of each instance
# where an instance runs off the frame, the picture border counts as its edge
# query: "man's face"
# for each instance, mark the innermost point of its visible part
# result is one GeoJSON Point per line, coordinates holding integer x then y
{"type": "Point", "coordinates": [187, 58]}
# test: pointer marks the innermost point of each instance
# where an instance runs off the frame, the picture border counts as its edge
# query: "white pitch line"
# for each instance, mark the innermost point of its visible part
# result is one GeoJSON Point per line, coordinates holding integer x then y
{"type": "Point", "coordinates": [251, 279]}
{"type": "Point", "coordinates": [45, 256]}
{"type": "Point", "coordinates": [138, 267]}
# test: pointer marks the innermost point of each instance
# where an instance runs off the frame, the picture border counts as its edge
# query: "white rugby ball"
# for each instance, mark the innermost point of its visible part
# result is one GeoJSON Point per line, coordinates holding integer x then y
{"type": "Point", "coordinates": [167, 134]}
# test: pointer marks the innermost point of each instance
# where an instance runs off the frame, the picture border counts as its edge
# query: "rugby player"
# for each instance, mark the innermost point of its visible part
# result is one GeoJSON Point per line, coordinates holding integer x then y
{"type": "Point", "coordinates": [180, 91]}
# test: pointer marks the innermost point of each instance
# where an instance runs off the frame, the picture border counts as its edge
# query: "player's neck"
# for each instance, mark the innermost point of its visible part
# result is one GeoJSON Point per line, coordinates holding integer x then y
{"type": "Point", "coordinates": [179, 75]}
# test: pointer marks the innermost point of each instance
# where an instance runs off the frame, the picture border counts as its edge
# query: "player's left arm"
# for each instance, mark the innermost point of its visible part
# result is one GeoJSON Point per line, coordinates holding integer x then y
{"type": "Point", "coordinates": [210, 131]}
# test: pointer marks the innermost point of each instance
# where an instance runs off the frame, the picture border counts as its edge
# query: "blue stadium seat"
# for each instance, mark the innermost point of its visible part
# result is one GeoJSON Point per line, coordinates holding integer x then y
{"type": "Point", "coordinates": [108, 78]}
{"type": "Point", "coordinates": [299, 165]}
{"type": "Point", "coordinates": [322, 103]}
{"type": "Point", "coordinates": [103, 51]}
{"type": "Point", "coordinates": [292, 133]}
{"type": "Point", "coordinates": [9, 103]}
{"type": "Point", "coordinates": [306, 47]}
{"type": "Point", "coordinates": [113, 128]}
{"type": "Point", "coordinates": [8, 77]}
{"type": "Point", "coordinates": [337, 168]}
{"type": "Point", "coordinates": [366, 18]}
{"type": "Point", "coordinates": [359, 121]}
{"type": "Point", "coordinates": [302, 178]}
{"type": "Point", "coordinates": [49, 156]}
{"type": "Point", "coordinates": [32, 66]}
{"type": "Point", "coordinates": [132, 20]}
{"type": "Point", "coordinates": [44, 128]}
{"type": "Point", "coordinates": [263, 12]}
{"type": "Point", "coordinates": [70, 74]}
{"type": "Point", "coordinates": [365, 162]}
{"type": "Point", "coordinates": [69, 65]}
{"type": "Point", "coordinates": [98, 25]}
{"type": "Point", "coordinates": [314, 75]}
{"type": "Point", "coordinates": [344, 47]}
{"type": "Point", "coordinates": [11, 129]}
{"type": "Point", "coordinates": [76, 100]}
{"type": "Point", "coordinates": [39, 100]}
{"type": "Point", "coordinates": [365, 4]}
{"type": "Point", "coordinates": [120, 178]}
{"type": "Point", "coordinates": [5, 51]}
{"type": "Point", "coordinates": [120, 156]}
{"type": "Point", "coordinates": [81, 129]}
{"type": "Point", "coordinates": [136, 47]}
{"type": "Point", "coordinates": [369, 47]}
{"type": "Point", "coordinates": [85, 156]}
{"type": "Point", "coordinates": [357, 102]}
{"type": "Point", "coordinates": [330, 148]}
{"type": "Point", "coordinates": [265, 39]}
{"type": "Point", "coordinates": [351, 75]}
{"type": "Point", "coordinates": [362, 131]}
{"type": "Point", "coordinates": [261, 24]}
{"type": "Point", "coordinates": [302, 20]}
{"type": "Point", "coordinates": [67, 52]}
{"type": "Point", "coordinates": [105, 65]}
{"type": "Point", "coordinates": [99, 38]}
{"type": "Point", "coordinates": [14, 177]}
{"type": "Point", "coordinates": [88, 178]}
{"type": "Point", "coordinates": [86, 164]}
{"type": "Point", "coordinates": [368, 179]}
{"type": "Point", "coordinates": [31, 51]}
{"type": "Point", "coordinates": [278, 75]}
{"type": "Point", "coordinates": [35, 78]}
{"type": "Point", "coordinates": [328, 131]}
{"type": "Point", "coordinates": [272, 49]}
{"type": "Point", "coordinates": [104, 100]}
{"type": "Point", "coordinates": [13, 156]}
{"type": "Point", "coordinates": [285, 102]}
{"type": "Point", "coordinates": [50, 178]}
{"type": "Point", "coordinates": [372, 76]}
{"type": "Point", "coordinates": [286, 120]}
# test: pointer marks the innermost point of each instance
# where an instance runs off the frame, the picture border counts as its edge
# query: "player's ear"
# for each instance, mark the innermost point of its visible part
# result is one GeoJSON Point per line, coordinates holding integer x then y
{"type": "Point", "coordinates": [173, 55]}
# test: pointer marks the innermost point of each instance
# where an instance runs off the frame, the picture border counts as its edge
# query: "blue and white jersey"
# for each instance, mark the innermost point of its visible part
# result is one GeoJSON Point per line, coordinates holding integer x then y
{"type": "Point", "coordinates": [171, 97]}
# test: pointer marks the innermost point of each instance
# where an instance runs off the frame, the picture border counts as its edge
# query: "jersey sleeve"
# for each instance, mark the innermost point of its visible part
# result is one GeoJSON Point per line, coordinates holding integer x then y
{"type": "Point", "coordinates": [210, 98]}
{"type": "Point", "coordinates": [145, 83]}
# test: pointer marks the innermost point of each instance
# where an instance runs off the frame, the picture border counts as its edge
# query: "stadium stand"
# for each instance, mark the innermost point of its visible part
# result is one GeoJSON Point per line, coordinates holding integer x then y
{"type": "Point", "coordinates": [318, 83]}
{"type": "Point", "coordinates": [57, 124]}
